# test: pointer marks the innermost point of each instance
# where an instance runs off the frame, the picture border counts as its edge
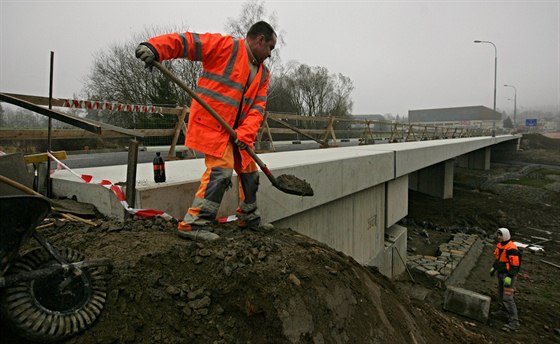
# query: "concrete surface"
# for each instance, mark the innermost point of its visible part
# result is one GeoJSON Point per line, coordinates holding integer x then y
{"type": "Point", "coordinates": [467, 303]}
{"type": "Point", "coordinates": [392, 262]}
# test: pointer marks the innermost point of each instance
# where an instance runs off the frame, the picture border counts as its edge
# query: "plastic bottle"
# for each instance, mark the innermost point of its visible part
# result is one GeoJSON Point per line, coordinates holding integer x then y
{"type": "Point", "coordinates": [159, 169]}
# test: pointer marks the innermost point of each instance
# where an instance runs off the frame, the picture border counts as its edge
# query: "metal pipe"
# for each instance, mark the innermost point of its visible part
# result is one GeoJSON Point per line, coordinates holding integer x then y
{"type": "Point", "coordinates": [495, 80]}
{"type": "Point", "coordinates": [514, 105]}
{"type": "Point", "coordinates": [49, 135]}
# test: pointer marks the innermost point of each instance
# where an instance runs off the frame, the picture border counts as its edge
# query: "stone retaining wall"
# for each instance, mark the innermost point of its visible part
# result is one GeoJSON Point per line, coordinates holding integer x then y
{"type": "Point", "coordinates": [453, 262]}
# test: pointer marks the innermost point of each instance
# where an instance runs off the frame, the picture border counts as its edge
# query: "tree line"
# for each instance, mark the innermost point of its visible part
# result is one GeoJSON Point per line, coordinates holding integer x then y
{"type": "Point", "coordinates": [294, 88]}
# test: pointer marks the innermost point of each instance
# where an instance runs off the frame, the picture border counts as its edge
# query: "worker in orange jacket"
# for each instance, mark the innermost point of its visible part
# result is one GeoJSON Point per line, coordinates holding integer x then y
{"type": "Point", "coordinates": [507, 265]}
{"type": "Point", "coordinates": [234, 82]}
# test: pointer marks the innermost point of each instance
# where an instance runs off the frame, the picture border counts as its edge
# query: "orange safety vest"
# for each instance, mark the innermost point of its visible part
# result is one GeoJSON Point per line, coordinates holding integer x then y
{"type": "Point", "coordinates": [507, 257]}
{"type": "Point", "coordinates": [223, 85]}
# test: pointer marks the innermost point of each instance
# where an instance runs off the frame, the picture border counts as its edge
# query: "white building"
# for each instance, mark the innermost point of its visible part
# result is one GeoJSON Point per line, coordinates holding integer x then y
{"type": "Point", "coordinates": [472, 117]}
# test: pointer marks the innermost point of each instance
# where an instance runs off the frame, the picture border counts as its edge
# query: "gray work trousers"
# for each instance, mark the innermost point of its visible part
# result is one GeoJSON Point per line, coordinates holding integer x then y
{"type": "Point", "coordinates": [505, 296]}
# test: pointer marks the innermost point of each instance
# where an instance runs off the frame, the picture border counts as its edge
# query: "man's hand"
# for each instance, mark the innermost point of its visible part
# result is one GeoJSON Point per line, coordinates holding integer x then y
{"type": "Point", "coordinates": [146, 55]}
{"type": "Point", "coordinates": [241, 144]}
{"type": "Point", "coordinates": [507, 281]}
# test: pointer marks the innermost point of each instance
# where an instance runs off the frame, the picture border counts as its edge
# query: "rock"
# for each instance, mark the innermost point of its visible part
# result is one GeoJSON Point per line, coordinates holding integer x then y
{"type": "Point", "coordinates": [204, 252]}
{"type": "Point", "coordinates": [294, 280]}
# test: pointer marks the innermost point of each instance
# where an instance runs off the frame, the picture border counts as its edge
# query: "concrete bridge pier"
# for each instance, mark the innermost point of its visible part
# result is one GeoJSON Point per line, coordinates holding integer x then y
{"type": "Point", "coordinates": [353, 224]}
{"type": "Point", "coordinates": [435, 180]}
{"type": "Point", "coordinates": [476, 160]}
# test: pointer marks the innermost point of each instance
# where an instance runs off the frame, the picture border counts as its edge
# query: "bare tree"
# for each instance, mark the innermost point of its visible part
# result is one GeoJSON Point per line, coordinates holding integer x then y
{"type": "Point", "coordinates": [22, 118]}
{"type": "Point", "coordinates": [340, 102]}
{"type": "Point", "coordinates": [251, 12]}
{"type": "Point", "coordinates": [118, 76]}
{"type": "Point", "coordinates": [312, 91]}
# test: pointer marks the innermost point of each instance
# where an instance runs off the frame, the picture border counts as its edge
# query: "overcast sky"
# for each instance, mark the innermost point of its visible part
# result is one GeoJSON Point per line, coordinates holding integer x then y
{"type": "Point", "coordinates": [401, 55]}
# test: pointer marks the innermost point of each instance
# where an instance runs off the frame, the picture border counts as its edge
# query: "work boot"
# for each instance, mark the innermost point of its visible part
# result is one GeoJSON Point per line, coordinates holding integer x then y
{"type": "Point", "coordinates": [255, 225]}
{"type": "Point", "coordinates": [512, 326]}
{"type": "Point", "coordinates": [195, 232]}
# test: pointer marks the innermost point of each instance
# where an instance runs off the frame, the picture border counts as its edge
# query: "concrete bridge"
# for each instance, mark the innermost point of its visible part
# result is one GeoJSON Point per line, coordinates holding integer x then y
{"type": "Point", "coordinates": [361, 192]}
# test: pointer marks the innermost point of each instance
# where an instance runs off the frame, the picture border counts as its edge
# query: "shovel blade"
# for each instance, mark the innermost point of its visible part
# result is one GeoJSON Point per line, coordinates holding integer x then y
{"type": "Point", "coordinates": [293, 185]}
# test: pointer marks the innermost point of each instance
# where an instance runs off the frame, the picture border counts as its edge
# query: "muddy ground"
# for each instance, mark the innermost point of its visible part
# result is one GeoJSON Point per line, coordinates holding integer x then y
{"type": "Point", "coordinates": [282, 287]}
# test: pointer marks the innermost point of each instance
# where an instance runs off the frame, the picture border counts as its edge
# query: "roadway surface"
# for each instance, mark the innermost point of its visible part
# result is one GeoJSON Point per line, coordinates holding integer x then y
{"type": "Point", "coordinates": [147, 154]}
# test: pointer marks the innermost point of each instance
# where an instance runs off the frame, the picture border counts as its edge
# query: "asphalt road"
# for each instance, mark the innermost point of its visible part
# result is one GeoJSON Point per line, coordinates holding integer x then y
{"type": "Point", "coordinates": [147, 154]}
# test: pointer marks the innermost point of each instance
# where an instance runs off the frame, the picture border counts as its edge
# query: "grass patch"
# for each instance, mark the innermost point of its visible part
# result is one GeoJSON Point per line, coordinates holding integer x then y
{"type": "Point", "coordinates": [536, 183]}
{"type": "Point", "coordinates": [544, 171]}
{"type": "Point", "coordinates": [536, 179]}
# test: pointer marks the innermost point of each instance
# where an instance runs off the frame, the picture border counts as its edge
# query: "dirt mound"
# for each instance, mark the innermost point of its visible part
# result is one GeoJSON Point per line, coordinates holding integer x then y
{"type": "Point", "coordinates": [246, 287]}
{"type": "Point", "coordinates": [539, 141]}
{"type": "Point", "coordinates": [537, 149]}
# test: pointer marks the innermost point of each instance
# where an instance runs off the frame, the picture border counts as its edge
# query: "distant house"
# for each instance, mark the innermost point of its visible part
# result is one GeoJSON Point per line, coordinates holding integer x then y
{"type": "Point", "coordinates": [473, 117]}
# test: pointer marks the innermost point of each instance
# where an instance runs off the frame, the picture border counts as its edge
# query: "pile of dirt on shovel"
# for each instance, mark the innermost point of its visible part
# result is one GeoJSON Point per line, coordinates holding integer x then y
{"type": "Point", "coordinates": [246, 287]}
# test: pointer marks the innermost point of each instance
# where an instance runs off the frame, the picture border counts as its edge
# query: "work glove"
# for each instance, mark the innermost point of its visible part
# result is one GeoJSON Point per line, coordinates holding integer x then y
{"type": "Point", "coordinates": [240, 144]}
{"type": "Point", "coordinates": [507, 281]}
{"type": "Point", "coordinates": [146, 55]}
{"type": "Point", "coordinates": [492, 271]}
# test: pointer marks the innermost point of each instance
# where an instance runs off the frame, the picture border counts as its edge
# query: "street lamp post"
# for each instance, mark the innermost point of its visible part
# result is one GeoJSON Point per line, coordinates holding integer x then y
{"type": "Point", "coordinates": [514, 105]}
{"type": "Point", "coordinates": [495, 78]}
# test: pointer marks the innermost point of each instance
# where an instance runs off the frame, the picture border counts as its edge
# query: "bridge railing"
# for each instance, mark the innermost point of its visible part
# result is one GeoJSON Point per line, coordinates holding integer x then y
{"type": "Point", "coordinates": [169, 126]}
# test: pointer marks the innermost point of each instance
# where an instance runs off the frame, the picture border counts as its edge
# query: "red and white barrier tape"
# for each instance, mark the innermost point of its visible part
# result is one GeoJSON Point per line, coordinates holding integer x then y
{"type": "Point", "coordinates": [117, 190]}
{"type": "Point", "coordinates": [99, 105]}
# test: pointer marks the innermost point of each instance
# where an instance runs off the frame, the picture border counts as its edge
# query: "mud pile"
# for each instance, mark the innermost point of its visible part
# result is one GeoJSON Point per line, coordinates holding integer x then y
{"type": "Point", "coordinates": [246, 287]}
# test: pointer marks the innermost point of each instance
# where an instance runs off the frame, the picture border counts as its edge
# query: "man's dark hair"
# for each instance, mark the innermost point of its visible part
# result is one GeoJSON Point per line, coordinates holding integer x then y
{"type": "Point", "coordinates": [261, 28]}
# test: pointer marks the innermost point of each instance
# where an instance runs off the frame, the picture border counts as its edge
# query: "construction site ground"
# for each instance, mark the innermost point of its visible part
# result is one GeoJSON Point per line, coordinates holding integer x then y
{"type": "Point", "coordinates": [279, 286]}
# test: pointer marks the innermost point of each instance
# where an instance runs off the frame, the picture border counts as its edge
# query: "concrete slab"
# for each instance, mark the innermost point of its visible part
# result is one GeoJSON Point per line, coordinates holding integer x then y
{"type": "Point", "coordinates": [333, 173]}
{"type": "Point", "coordinates": [391, 262]}
{"type": "Point", "coordinates": [412, 156]}
{"type": "Point", "coordinates": [467, 303]}
{"type": "Point", "coordinates": [397, 200]}
{"type": "Point", "coordinates": [463, 269]}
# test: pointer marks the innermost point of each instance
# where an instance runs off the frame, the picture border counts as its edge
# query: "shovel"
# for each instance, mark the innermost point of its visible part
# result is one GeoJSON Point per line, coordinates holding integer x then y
{"type": "Point", "coordinates": [286, 183]}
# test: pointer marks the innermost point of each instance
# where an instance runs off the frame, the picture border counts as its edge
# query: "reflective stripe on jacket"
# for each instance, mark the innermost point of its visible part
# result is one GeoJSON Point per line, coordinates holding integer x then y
{"type": "Point", "coordinates": [507, 258]}
{"type": "Point", "coordinates": [226, 70]}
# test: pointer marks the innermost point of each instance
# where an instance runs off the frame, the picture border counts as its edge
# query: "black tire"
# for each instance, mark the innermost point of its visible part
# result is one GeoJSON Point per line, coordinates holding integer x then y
{"type": "Point", "coordinates": [37, 310]}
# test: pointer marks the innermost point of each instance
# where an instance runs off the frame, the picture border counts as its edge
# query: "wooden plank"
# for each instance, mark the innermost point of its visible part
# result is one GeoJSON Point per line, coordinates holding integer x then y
{"type": "Point", "coordinates": [551, 264]}
{"type": "Point", "coordinates": [43, 157]}
{"type": "Point", "coordinates": [297, 130]}
{"type": "Point", "coordinates": [89, 125]}
{"type": "Point", "coordinates": [44, 101]}
{"type": "Point", "coordinates": [329, 131]}
{"type": "Point", "coordinates": [75, 121]}
{"type": "Point", "coordinates": [131, 168]}
{"type": "Point", "coordinates": [178, 128]}
{"type": "Point", "coordinates": [126, 132]}
{"type": "Point", "coordinates": [282, 116]}
{"type": "Point", "coordinates": [41, 134]}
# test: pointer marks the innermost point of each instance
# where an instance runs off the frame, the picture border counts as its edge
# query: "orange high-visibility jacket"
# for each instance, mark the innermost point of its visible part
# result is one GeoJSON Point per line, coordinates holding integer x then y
{"type": "Point", "coordinates": [225, 64]}
{"type": "Point", "coordinates": [507, 258]}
